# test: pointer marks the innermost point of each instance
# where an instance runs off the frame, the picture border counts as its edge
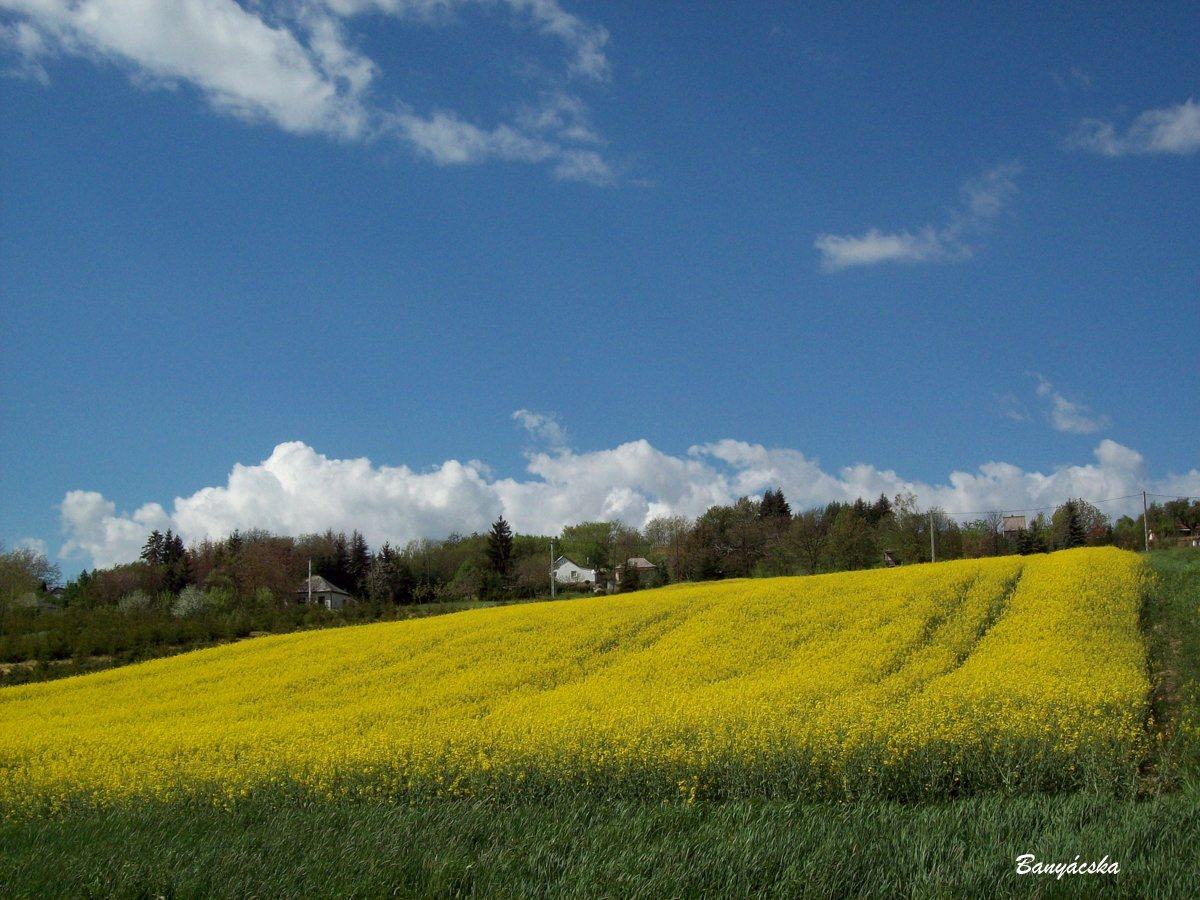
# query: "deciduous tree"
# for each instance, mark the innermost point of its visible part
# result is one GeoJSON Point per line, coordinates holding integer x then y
{"type": "Point", "coordinates": [808, 535]}
{"type": "Point", "coordinates": [666, 536]}
{"type": "Point", "coordinates": [850, 544]}
{"type": "Point", "coordinates": [590, 543]}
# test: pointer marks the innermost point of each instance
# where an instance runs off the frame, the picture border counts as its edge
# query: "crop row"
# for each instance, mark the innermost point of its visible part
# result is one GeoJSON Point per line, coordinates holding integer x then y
{"type": "Point", "coordinates": [1009, 673]}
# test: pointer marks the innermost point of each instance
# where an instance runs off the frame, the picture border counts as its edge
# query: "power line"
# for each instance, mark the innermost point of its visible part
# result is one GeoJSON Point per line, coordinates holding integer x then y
{"type": "Point", "coordinates": [1029, 509]}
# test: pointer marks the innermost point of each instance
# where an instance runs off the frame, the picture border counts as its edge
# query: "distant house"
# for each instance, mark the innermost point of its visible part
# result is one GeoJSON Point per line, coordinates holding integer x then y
{"type": "Point", "coordinates": [1188, 536]}
{"type": "Point", "coordinates": [1182, 535]}
{"type": "Point", "coordinates": [1185, 536]}
{"type": "Point", "coordinates": [322, 593]}
{"type": "Point", "coordinates": [1011, 526]}
{"type": "Point", "coordinates": [567, 571]}
{"type": "Point", "coordinates": [891, 558]}
{"type": "Point", "coordinates": [640, 564]}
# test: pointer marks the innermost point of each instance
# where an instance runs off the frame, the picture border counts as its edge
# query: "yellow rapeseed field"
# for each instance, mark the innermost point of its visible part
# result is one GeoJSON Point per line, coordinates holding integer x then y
{"type": "Point", "coordinates": [1011, 673]}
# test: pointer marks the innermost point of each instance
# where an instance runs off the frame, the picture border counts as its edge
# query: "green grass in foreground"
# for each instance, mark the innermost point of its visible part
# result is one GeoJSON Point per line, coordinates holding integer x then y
{"type": "Point", "coordinates": [737, 849]}
{"type": "Point", "coordinates": [280, 846]}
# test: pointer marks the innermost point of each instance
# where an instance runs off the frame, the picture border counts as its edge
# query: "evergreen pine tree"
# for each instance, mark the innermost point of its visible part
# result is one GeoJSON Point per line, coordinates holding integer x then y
{"type": "Point", "coordinates": [774, 505]}
{"type": "Point", "coordinates": [500, 548]}
{"type": "Point", "coordinates": [1075, 533]}
{"type": "Point", "coordinates": [630, 577]}
{"type": "Point", "coordinates": [1025, 542]}
{"type": "Point", "coordinates": [152, 550]}
{"type": "Point", "coordinates": [360, 564]}
{"type": "Point", "coordinates": [880, 510]}
{"type": "Point", "coordinates": [172, 548]}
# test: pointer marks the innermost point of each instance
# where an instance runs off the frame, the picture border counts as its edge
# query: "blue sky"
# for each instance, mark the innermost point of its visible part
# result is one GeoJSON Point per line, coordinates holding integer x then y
{"type": "Point", "coordinates": [406, 265]}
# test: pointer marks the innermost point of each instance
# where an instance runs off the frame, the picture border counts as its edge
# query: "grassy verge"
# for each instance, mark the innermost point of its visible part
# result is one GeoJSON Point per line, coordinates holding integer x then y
{"type": "Point", "coordinates": [292, 846]}
{"type": "Point", "coordinates": [966, 847]}
{"type": "Point", "coordinates": [1171, 622]}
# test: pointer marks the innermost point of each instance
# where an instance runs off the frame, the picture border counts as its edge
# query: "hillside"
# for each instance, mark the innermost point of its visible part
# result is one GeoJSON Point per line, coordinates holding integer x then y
{"type": "Point", "coordinates": [1012, 673]}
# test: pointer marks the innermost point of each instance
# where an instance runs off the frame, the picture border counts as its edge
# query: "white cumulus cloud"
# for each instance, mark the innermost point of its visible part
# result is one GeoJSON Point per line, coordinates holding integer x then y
{"type": "Point", "coordinates": [298, 490]}
{"type": "Point", "coordinates": [95, 531]}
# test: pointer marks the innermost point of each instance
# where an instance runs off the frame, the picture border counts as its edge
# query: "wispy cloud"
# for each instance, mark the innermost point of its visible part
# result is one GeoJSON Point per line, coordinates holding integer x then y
{"type": "Point", "coordinates": [295, 66]}
{"type": "Point", "coordinates": [240, 63]}
{"type": "Point", "coordinates": [1012, 407]}
{"type": "Point", "coordinates": [874, 246]}
{"type": "Point", "coordinates": [1066, 415]}
{"type": "Point", "coordinates": [557, 131]}
{"type": "Point", "coordinates": [1172, 130]}
{"type": "Point", "coordinates": [28, 45]}
{"type": "Point", "coordinates": [1076, 78]}
{"type": "Point", "coordinates": [543, 427]}
{"type": "Point", "coordinates": [298, 490]}
{"type": "Point", "coordinates": [584, 41]}
{"type": "Point", "coordinates": [981, 200]}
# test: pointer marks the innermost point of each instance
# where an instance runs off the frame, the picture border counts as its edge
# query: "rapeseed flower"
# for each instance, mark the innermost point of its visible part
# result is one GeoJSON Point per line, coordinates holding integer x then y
{"type": "Point", "coordinates": [1011, 673]}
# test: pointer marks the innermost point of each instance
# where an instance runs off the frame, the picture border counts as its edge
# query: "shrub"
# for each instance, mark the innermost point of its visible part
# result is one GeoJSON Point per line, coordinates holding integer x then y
{"type": "Point", "coordinates": [135, 601]}
{"type": "Point", "coordinates": [191, 600]}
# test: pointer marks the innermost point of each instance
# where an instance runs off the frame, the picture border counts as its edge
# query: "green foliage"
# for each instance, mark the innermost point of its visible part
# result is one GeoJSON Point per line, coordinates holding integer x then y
{"type": "Point", "coordinates": [726, 542]}
{"type": "Point", "coordinates": [630, 577]}
{"type": "Point", "coordinates": [590, 543]}
{"type": "Point", "coordinates": [807, 536]}
{"type": "Point", "coordinates": [500, 548]}
{"type": "Point", "coordinates": [24, 571]}
{"type": "Point", "coordinates": [1128, 534]}
{"type": "Point", "coordinates": [1172, 630]}
{"type": "Point", "coordinates": [247, 582]}
{"type": "Point", "coordinates": [135, 601]}
{"type": "Point", "coordinates": [358, 566]}
{"type": "Point", "coordinates": [191, 600]}
{"type": "Point", "coordinates": [850, 544]}
{"type": "Point", "coordinates": [1035, 538]}
{"type": "Point", "coordinates": [1067, 526]}
{"type": "Point", "coordinates": [389, 578]}
{"type": "Point", "coordinates": [467, 584]}
{"type": "Point", "coordinates": [665, 538]}
{"type": "Point", "coordinates": [774, 506]}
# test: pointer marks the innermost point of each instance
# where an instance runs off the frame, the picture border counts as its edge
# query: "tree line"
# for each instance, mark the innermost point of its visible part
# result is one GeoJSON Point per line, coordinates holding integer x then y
{"type": "Point", "coordinates": [218, 589]}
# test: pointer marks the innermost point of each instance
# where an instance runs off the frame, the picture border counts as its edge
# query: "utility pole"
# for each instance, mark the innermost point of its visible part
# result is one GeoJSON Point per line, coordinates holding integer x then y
{"type": "Point", "coordinates": [1145, 522]}
{"type": "Point", "coordinates": [552, 592]}
{"type": "Point", "coordinates": [932, 547]}
{"type": "Point", "coordinates": [310, 582]}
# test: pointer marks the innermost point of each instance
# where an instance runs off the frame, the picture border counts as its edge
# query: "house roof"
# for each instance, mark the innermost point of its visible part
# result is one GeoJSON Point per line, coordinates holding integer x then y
{"type": "Point", "coordinates": [640, 562]}
{"type": "Point", "coordinates": [558, 563]}
{"type": "Point", "coordinates": [319, 586]}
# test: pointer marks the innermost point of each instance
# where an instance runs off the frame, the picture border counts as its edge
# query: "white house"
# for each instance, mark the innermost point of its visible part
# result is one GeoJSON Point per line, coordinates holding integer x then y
{"type": "Point", "coordinates": [322, 593]}
{"type": "Point", "coordinates": [567, 571]}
